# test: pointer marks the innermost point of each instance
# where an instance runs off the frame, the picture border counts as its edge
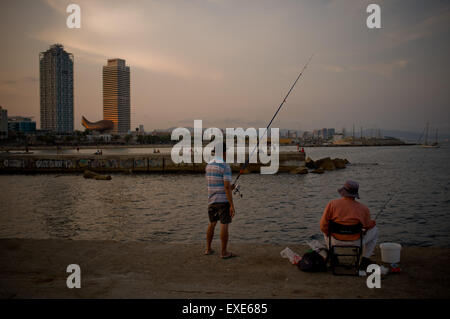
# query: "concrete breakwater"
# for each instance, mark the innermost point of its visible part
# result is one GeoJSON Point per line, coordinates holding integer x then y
{"type": "Point", "coordinates": [67, 163]}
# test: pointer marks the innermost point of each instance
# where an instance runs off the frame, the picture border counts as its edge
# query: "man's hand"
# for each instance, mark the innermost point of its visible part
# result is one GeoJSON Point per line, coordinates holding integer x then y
{"type": "Point", "coordinates": [232, 211]}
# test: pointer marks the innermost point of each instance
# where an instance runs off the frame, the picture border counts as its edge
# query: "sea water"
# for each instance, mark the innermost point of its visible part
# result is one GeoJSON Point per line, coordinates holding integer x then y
{"type": "Point", "coordinates": [280, 208]}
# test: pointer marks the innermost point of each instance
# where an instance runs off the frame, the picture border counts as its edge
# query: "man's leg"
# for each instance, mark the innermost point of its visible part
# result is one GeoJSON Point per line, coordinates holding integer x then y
{"type": "Point", "coordinates": [210, 236]}
{"type": "Point", "coordinates": [325, 237]}
{"type": "Point", "coordinates": [370, 241]}
{"type": "Point", "coordinates": [224, 239]}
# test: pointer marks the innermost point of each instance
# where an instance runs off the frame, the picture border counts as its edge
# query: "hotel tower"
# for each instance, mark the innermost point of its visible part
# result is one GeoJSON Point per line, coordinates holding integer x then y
{"type": "Point", "coordinates": [116, 95]}
{"type": "Point", "coordinates": [56, 89]}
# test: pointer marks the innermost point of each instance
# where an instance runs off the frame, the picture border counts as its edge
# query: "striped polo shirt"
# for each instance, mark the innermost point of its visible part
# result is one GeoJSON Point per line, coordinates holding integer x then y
{"type": "Point", "coordinates": [217, 171]}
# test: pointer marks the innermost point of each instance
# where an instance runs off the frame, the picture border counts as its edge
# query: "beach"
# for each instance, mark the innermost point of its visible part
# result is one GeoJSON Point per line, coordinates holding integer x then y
{"type": "Point", "coordinates": [31, 268]}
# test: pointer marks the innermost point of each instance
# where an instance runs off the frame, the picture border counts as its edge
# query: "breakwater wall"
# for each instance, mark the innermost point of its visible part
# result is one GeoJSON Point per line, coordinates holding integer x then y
{"type": "Point", "coordinates": [23, 163]}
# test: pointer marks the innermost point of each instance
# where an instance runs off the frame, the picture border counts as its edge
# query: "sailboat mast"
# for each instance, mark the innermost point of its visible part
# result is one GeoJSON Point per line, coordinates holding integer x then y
{"type": "Point", "coordinates": [426, 134]}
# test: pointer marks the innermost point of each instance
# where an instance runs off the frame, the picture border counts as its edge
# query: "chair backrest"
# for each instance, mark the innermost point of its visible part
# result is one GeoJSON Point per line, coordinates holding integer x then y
{"type": "Point", "coordinates": [336, 228]}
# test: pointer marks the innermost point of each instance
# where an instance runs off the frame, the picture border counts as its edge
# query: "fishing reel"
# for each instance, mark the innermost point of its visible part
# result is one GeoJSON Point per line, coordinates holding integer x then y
{"type": "Point", "coordinates": [237, 190]}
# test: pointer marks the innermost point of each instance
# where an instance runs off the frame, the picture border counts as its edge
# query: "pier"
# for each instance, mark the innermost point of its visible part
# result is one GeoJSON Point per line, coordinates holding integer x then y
{"type": "Point", "coordinates": [76, 163]}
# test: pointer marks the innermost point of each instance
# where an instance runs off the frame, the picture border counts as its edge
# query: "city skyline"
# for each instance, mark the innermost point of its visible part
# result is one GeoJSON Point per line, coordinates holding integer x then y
{"type": "Point", "coordinates": [205, 61]}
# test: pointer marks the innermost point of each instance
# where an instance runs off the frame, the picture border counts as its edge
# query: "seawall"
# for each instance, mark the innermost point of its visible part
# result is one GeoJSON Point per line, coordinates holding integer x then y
{"type": "Point", "coordinates": [73, 163]}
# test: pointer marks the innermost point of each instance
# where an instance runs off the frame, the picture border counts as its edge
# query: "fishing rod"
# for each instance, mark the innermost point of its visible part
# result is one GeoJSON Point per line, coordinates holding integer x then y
{"type": "Point", "coordinates": [385, 204]}
{"type": "Point", "coordinates": [236, 186]}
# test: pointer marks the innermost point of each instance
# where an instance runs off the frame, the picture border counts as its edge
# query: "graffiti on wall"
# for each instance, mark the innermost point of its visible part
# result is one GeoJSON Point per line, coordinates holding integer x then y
{"type": "Point", "coordinates": [55, 163]}
{"type": "Point", "coordinates": [126, 163]}
{"type": "Point", "coordinates": [14, 163]}
{"type": "Point", "coordinates": [84, 163]}
{"type": "Point", "coordinates": [155, 162]}
{"type": "Point", "coordinates": [140, 163]}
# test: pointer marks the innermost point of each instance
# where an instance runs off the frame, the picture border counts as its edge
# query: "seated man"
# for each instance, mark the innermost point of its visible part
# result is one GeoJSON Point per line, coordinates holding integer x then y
{"type": "Point", "coordinates": [348, 211]}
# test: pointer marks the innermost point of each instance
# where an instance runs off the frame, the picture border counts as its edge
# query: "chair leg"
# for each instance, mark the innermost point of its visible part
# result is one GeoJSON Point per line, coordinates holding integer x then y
{"type": "Point", "coordinates": [356, 255]}
{"type": "Point", "coordinates": [332, 256]}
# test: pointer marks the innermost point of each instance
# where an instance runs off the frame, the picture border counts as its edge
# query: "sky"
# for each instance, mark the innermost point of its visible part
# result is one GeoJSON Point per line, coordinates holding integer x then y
{"type": "Point", "coordinates": [230, 62]}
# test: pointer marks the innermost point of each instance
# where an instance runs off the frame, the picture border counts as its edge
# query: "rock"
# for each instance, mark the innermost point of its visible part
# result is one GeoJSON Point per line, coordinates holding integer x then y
{"type": "Point", "coordinates": [326, 164]}
{"type": "Point", "coordinates": [89, 174]}
{"type": "Point", "coordinates": [299, 170]}
{"type": "Point", "coordinates": [309, 163]}
{"type": "Point", "coordinates": [93, 175]}
{"type": "Point", "coordinates": [339, 163]}
{"type": "Point", "coordinates": [318, 171]}
{"type": "Point", "coordinates": [103, 177]}
{"type": "Point", "coordinates": [320, 161]}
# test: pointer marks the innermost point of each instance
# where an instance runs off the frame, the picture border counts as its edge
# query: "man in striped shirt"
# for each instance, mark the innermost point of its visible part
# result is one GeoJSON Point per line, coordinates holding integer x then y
{"type": "Point", "coordinates": [220, 200]}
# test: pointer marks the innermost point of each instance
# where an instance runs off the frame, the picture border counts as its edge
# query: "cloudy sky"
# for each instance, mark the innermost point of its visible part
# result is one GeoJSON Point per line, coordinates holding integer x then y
{"type": "Point", "coordinates": [230, 62]}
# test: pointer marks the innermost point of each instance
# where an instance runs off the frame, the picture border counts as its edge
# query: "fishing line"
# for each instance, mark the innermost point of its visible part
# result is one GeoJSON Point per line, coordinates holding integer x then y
{"type": "Point", "coordinates": [385, 204]}
{"type": "Point", "coordinates": [236, 189]}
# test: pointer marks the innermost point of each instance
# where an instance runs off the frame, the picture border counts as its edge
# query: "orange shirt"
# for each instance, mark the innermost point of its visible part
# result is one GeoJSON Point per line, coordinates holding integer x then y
{"type": "Point", "coordinates": [346, 211]}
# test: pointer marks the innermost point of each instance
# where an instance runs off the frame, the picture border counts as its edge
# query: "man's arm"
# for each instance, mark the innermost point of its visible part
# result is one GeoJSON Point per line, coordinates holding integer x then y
{"type": "Point", "coordinates": [228, 188]}
{"type": "Point", "coordinates": [368, 222]}
{"type": "Point", "coordinates": [229, 193]}
{"type": "Point", "coordinates": [325, 219]}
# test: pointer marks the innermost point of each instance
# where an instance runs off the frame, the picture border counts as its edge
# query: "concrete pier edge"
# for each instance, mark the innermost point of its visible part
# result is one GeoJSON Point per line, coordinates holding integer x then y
{"type": "Point", "coordinates": [76, 163]}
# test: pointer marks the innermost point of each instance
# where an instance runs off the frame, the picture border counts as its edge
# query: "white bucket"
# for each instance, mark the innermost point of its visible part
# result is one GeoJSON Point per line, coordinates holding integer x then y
{"type": "Point", "coordinates": [390, 252]}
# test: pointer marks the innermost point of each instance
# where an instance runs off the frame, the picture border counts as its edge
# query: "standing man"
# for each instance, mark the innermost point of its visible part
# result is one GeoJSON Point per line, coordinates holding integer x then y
{"type": "Point", "coordinates": [220, 200]}
{"type": "Point", "coordinates": [348, 211]}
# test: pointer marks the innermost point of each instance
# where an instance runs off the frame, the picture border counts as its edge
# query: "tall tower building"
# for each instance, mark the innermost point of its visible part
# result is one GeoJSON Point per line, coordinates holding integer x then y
{"type": "Point", "coordinates": [3, 123]}
{"type": "Point", "coordinates": [56, 85]}
{"type": "Point", "coordinates": [116, 94]}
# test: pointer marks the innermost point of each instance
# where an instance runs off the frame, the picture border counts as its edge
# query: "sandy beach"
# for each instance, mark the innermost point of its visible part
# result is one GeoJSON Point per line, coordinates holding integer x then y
{"type": "Point", "coordinates": [37, 269]}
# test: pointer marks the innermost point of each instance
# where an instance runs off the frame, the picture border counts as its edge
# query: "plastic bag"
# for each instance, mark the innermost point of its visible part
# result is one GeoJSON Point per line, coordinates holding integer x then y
{"type": "Point", "coordinates": [293, 257]}
{"type": "Point", "coordinates": [318, 247]}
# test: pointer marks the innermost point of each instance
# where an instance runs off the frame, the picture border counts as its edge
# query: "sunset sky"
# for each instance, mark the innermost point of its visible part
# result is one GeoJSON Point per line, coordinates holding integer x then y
{"type": "Point", "coordinates": [230, 62]}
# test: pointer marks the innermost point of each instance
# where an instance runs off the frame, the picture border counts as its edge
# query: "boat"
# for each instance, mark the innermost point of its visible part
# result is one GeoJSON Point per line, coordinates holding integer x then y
{"type": "Point", "coordinates": [435, 144]}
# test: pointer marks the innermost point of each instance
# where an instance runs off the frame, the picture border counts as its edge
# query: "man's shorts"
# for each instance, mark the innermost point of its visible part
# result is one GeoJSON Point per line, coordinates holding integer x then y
{"type": "Point", "coordinates": [219, 211]}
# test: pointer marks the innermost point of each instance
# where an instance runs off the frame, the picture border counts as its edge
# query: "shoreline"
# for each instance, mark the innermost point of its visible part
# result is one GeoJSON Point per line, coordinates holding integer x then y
{"type": "Point", "coordinates": [72, 147]}
{"type": "Point", "coordinates": [32, 268]}
{"type": "Point", "coordinates": [108, 146]}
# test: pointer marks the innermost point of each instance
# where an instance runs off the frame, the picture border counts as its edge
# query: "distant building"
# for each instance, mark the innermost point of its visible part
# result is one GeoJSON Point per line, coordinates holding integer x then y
{"type": "Point", "coordinates": [292, 134]}
{"type": "Point", "coordinates": [116, 95]}
{"type": "Point", "coordinates": [324, 133]}
{"type": "Point", "coordinates": [21, 124]}
{"type": "Point", "coordinates": [3, 123]}
{"type": "Point", "coordinates": [307, 135]}
{"type": "Point", "coordinates": [56, 89]}
{"type": "Point", "coordinates": [105, 137]}
{"type": "Point", "coordinates": [160, 133]}
{"type": "Point", "coordinates": [315, 133]}
{"type": "Point", "coordinates": [331, 132]}
{"type": "Point", "coordinates": [338, 137]}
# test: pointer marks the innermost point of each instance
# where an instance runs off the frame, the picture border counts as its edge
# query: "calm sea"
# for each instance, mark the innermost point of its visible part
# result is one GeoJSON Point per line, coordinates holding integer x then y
{"type": "Point", "coordinates": [279, 208]}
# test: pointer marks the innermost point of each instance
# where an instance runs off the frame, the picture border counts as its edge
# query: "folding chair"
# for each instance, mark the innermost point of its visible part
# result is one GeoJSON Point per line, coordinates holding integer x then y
{"type": "Point", "coordinates": [336, 228]}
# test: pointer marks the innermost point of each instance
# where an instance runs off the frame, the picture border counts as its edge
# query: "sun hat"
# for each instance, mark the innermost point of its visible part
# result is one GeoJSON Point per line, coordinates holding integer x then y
{"type": "Point", "coordinates": [350, 189]}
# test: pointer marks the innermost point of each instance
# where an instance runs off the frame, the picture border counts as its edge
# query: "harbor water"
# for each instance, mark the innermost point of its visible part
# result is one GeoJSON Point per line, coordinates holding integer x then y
{"type": "Point", "coordinates": [279, 209]}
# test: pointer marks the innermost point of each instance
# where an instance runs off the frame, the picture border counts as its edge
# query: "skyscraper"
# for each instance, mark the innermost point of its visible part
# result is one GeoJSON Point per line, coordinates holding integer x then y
{"type": "Point", "coordinates": [116, 94]}
{"type": "Point", "coordinates": [3, 123]}
{"type": "Point", "coordinates": [56, 84]}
